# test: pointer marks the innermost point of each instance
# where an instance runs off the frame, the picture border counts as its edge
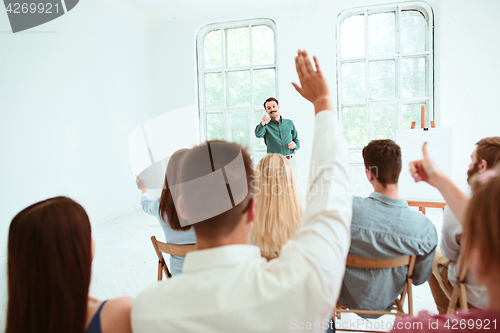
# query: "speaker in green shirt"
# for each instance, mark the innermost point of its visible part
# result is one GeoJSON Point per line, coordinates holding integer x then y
{"type": "Point", "coordinates": [280, 135]}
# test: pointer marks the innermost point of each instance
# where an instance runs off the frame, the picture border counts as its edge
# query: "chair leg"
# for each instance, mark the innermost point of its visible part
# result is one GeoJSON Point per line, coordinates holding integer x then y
{"type": "Point", "coordinates": [453, 301]}
{"type": "Point", "coordinates": [463, 297]}
{"type": "Point", "coordinates": [159, 271]}
{"type": "Point", "coordinates": [410, 300]}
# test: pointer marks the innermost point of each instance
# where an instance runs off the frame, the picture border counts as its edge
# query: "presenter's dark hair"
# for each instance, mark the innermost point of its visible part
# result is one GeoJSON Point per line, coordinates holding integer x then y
{"type": "Point", "coordinates": [49, 268]}
{"type": "Point", "coordinates": [383, 158]}
{"type": "Point", "coordinates": [271, 99]}
{"type": "Point", "coordinates": [167, 206]}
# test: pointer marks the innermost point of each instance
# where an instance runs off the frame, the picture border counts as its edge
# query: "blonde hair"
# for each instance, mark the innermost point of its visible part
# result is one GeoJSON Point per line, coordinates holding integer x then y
{"type": "Point", "coordinates": [278, 207]}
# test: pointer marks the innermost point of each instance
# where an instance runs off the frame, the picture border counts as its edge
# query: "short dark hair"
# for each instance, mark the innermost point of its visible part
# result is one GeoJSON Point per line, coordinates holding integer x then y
{"type": "Point", "coordinates": [271, 99]}
{"type": "Point", "coordinates": [385, 157]}
{"type": "Point", "coordinates": [200, 161]}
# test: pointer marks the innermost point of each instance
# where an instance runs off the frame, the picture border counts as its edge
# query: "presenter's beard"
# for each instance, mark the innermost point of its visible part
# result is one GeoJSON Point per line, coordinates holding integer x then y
{"type": "Point", "coordinates": [273, 114]}
{"type": "Point", "coordinates": [472, 172]}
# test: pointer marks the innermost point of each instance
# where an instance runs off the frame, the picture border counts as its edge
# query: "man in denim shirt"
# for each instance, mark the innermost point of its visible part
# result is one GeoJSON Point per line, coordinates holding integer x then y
{"type": "Point", "coordinates": [384, 227]}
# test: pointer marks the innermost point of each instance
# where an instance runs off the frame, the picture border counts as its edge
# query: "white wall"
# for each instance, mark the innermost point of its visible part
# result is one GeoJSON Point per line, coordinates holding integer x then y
{"type": "Point", "coordinates": [469, 75]}
{"type": "Point", "coordinates": [71, 91]}
{"type": "Point", "coordinates": [69, 98]}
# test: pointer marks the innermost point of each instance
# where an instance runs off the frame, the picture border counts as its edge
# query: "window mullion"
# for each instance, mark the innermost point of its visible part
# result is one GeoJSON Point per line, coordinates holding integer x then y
{"type": "Point", "coordinates": [202, 104]}
{"type": "Point", "coordinates": [225, 85]}
{"type": "Point", "coordinates": [400, 69]}
{"type": "Point", "coordinates": [367, 81]}
{"type": "Point", "coordinates": [339, 76]}
{"type": "Point", "coordinates": [398, 56]}
{"type": "Point", "coordinates": [227, 110]}
{"type": "Point", "coordinates": [252, 142]}
{"type": "Point", "coordinates": [239, 68]}
{"type": "Point", "coordinates": [429, 75]}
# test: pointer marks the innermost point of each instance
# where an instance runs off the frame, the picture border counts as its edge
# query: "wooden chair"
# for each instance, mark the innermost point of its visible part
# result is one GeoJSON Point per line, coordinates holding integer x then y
{"type": "Point", "coordinates": [425, 204]}
{"type": "Point", "coordinates": [369, 263]}
{"type": "Point", "coordinates": [459, 293]}
{"type": "Point", "coordinates": [173, 250]}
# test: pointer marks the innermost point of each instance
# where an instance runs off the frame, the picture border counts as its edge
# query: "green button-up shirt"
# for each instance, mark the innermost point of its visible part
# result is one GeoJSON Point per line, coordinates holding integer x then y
{"type": "Point", "coordinates": [277, 135]}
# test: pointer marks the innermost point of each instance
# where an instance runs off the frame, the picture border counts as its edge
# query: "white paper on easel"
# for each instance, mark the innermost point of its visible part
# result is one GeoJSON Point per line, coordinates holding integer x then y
{"type": "Point", "coordinates": [138, 151]}
{"type": "Point", "coordinates": [163, 135]}
{"type": "Point", "coordinates": [172, 131]}
{"type": "Point", "coordinates": [439, 145]}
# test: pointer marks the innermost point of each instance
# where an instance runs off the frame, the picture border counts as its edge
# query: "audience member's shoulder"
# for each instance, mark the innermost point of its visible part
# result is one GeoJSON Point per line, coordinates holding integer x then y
{"type": "Point", "coordinates": [150, 294]}
{"type": "Point", "coordinates": [418, 216]}
{"type": "Point", "coordinates": [358, 202]}
{"type": "Point", "coordinates": [119, 306]}
{"type": "Point", "coordinates": [421, 226]}
{"type": "Point", "coordinates": [147, 293]}
{"type": "Point", "coordinates": [115, 316]}
{"type": "Point", "coordinates": [359, 199]}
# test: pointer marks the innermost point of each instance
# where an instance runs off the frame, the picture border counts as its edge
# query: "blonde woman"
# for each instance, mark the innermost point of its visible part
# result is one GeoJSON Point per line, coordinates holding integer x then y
{"type": "Point", "coordinates": [278, 206]}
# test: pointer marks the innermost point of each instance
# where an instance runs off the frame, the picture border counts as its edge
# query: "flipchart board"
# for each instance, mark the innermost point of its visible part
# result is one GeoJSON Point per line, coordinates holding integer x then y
{"type": "Point", "coordinates": [439, 147]}
{"type": "Point", "coordinates": [152, 144]}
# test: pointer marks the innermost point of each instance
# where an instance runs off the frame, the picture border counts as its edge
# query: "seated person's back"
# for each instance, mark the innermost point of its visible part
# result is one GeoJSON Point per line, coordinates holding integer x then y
{"type": "Point", "coordinates": [384, 227]}
{"type": "Point", "coordinates": [163, 209]}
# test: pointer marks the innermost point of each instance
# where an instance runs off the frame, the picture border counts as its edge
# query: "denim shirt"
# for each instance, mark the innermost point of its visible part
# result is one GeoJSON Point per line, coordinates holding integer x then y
{"type": "Point", "coordinates": [179, 237]}
{"type": "Point", "coordinates": [277, 135]}
{"type": "Point", "coordinates": [385, 228]}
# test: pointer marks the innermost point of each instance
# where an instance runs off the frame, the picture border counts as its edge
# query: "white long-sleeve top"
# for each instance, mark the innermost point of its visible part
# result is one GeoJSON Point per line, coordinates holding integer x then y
{"type": "Point", "coordinates": [233, 289]}
{"type": "Point", "coordinates": [451, 247]}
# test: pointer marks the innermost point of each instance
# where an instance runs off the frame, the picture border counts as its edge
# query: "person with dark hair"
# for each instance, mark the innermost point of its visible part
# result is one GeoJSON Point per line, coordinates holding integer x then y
{"type": "Point", "coordinates": [50, 252]}
{"type": "Point", "coordinates": [447, 260]}
{"type": "Point", "coordinates": [384, 227]}
{"type": "Point", "coordinates": [226, 286]}
{"type": "Point", "coordinates": [280, 135]}
{"type": "Point", "coordinates": [480, 218]}
{"type": "Point", "coordinates": [163, 208]}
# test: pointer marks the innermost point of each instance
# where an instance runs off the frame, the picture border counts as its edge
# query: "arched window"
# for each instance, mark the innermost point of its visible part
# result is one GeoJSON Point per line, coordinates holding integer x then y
{"type": "Point", "coordinates": [237, 72]}
{"type": "Point", "coordinates": [384, 71]}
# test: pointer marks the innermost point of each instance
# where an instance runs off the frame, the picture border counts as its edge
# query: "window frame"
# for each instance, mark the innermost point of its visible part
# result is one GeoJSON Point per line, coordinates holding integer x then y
{"type": "Point", "coordinates": [398, 56]}
{"type": "Point", "coordinates": [227, 112]}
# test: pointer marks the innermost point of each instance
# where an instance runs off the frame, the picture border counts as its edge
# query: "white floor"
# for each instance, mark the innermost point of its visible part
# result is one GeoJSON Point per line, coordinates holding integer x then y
{"type": "Point", "coordinates": [125, 263]}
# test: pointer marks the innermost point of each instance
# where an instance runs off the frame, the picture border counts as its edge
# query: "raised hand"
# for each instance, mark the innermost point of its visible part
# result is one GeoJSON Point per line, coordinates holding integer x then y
{"type": "Point", "coordinates": [292, 145]}
{"type": "Point", "coordinates": [313, 84]}
{"type": "Point", "coordinates": [141, 184]}
{"type": "Point", "coordinates": [425, 169]}
{"type": "Point", "coordinates": [265, 119]}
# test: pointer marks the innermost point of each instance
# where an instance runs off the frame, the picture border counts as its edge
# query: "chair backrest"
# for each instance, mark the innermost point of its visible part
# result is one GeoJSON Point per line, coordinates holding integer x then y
{"type": "Point", "coordinates": [459, 293]}
{"type": "Point", "coordinates": [173, 250]}
{"type": "Point", "coordinates": [370, 263]}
